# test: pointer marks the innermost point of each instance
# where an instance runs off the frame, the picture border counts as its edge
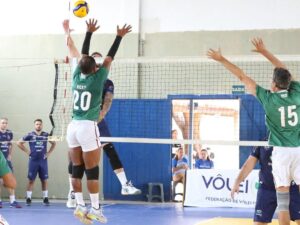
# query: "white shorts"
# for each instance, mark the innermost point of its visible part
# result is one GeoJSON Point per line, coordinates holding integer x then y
{"type": "Point", "coordinates": [286, 165]}
{"type": "Point", "coordinates": [83, 133]}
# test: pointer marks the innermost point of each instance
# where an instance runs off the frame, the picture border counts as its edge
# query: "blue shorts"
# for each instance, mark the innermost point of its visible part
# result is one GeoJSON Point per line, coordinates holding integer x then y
{"type": "Point", "coordinates": [38, 166]}
{"type": "Point", "coordinates": [266, 204]}
{"type": "Point", "coordinates": [294, 202]}
{"type": "Point", "coordinates": [103, 129]}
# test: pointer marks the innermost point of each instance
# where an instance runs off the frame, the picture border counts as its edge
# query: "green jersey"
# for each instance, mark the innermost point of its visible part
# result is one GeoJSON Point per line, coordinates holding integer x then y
{"type": "Point", "coordinates": [4, 168]}
{"type": "Point", "coordinates": [87, 94]}
{"type": "Point", "coordinates": [282, 114]}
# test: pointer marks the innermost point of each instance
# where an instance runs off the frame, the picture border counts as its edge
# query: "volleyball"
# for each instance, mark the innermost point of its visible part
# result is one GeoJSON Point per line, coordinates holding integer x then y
{"type": "Point", "coordinates": [81, 8]}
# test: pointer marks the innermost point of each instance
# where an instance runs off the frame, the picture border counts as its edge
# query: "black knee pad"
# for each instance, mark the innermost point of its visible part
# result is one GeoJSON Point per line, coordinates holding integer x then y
{"type": "Point", "coordinates": [70, 167]}
{"type": "Point", "coordinates": [92, 174]}
{"type": "Point", "coordinates": [114, 159]}
{"type": "Point", "coordinates": [78, 171]}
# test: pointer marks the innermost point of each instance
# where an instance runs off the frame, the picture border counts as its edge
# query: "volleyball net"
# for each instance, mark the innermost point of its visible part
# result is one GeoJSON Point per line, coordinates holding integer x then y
{"type": "Point", "coordinates": [152, 97]}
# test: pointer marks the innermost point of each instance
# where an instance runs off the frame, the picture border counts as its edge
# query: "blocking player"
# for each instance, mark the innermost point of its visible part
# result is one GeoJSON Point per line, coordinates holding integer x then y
{"type": "Point", "coordinates": [107, 97]}
{"type": "Point", "coordinates": [266, 201]}
{"type": "Point", "coordinates": [38, 159]}
{"type": "Point", "coordinates": [6, 137]}
{"type": "Point", "coordinates": [282, 108]}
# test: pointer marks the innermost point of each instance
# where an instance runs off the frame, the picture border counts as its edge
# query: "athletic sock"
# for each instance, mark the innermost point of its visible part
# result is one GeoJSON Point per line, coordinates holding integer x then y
{"type": "Point", "coordinates": [122, 178]}
{"type": "Point", "coordinates": [12, 198]}
{"type": "Point", "coordinates": [45, 194]}
{"type": "Point", "coordinates": [79, 198]}
{"type": "Point", "coordinates": [29, 194]}
{"type": "Point", "coordinates": [95, 200]}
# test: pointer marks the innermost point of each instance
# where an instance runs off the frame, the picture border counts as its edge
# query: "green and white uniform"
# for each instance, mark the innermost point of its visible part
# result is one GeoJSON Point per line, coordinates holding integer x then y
{"type": "Point", "coordinates": [283, 121]}
{"type": "Point", "coordinates": [87, 98]}
{"type": "Point", "coordinates": [4, 168]}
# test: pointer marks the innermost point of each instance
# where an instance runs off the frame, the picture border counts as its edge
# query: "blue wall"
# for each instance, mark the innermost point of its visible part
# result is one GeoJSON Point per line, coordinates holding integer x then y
{"type": "Point", "coordinates": [146, 163]}
{"type": "Point", "coordinates": [143, 163]}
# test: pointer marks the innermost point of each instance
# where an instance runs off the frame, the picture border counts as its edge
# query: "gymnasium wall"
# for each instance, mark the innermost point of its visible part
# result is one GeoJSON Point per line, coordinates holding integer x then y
{"type": "Point", "coordinates": [168, 28]}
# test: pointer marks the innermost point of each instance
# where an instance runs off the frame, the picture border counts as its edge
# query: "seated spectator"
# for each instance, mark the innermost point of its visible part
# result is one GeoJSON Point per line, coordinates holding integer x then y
{"type": "Point", "coordinates": [203, 161]}
{"type": "Point", "coordinates": [179, 165]}
{"type": "Point", "coordinates": [175, 146]}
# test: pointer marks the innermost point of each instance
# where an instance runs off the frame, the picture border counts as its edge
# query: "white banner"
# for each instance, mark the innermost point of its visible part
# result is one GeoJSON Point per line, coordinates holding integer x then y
{"type": "Point", "coordinates": [211, 188]}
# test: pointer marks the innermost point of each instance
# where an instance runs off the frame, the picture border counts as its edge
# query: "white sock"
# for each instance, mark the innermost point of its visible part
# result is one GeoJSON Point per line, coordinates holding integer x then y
{"type": "Point", "coordinates": [70, 184]}
{"type": "Point", "coordinates": [12, 198]}
{"type": "Point", "coordinates": [95, 200]}
{"type": "Point", "coordinates": [122, 178]}
{"type": "Point", "coordinates": [79, 198]}
{"type": "Point", "coordinates": [29, 194]}
{"type": "Point", "coordinates": [45, 194]}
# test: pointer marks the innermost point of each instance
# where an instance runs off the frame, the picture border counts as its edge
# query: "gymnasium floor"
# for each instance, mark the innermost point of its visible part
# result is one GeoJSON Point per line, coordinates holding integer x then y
{"type": "Point", "coordinates": [132, 214]}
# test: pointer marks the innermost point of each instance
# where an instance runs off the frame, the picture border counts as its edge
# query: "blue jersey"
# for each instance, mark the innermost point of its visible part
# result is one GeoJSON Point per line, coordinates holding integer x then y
{"type": "Point", "coordinates": [263, 155]}
{"type": "Point", "coordinates": [179, 162]}
{"type": "Point", "coordinates": [5, 142]}
{"type": "Point", "coordinates": [204, 164]}
{"type": "Point", "coordinates": [37, 144]}
{"type": "Point", "coordinates": [108, 88]}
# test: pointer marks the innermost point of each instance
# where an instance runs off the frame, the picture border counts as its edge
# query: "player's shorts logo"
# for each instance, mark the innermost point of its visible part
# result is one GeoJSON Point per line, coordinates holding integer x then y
{"type": "Point", "coordinates": [258, 212]}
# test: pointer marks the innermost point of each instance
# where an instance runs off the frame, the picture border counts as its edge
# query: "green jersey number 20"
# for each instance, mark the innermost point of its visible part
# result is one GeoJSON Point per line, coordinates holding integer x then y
{"type": "Point", "coordinates": [85, 100]}
{"type": "Point", "coordinates": [291, 116]}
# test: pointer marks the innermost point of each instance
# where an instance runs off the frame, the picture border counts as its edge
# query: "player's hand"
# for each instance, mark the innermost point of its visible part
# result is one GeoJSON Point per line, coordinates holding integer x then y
{"type": "Point", "coordinates": [215, 54]}
{"type": "Point", "coordinates": [66, 26]}
{"type": "Point", "coordinates": [91, 25]}
{"type": "Point", "coordinates": [235, 189]}
{"type": "Point", "coordinates": [47, 155]}
{"type": "Point", "coordinates": [124, 30]}
{"type": "Point", "coordinates": [28, 152]}
{"type": "Point", "coordinates": [259, 45]}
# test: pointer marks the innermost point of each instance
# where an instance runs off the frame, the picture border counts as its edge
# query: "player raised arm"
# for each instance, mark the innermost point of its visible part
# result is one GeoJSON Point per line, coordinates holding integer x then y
{"type": "Point", "coordinates": [244, 172]}
{"type": "Point", "coordinates": [74, 53]}
{"type": "Point", "coordinates": [261, 48]}
{"type": "Point", "coordinates": [236, 71]}
{"type": "Point", "coordinates": [91, 27]}
{"type": "Point", "coordinates": [121, 32]}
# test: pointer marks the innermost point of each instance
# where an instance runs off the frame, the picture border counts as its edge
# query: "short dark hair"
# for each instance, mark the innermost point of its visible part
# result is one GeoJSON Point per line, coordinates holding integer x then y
{"type": "Point", "coordinates": [96, 53]}
{"type": "Point", "coordinates": [87, 65]}
{"type": "Point", "coordinates": [38, 120]}
{"type": "Point", "coordinates": [282, 78]}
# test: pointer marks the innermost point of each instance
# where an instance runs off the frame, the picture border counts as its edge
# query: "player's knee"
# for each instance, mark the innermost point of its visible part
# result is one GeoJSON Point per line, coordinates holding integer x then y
{"type": "Point", "coordinates": [283, 200]}
{"type": "Point", "coordinates": [70, 167]}
{"type": "Point", "coordinates": [9, 181]}
{"type": "Point", "coordinates": [92, 174]}
{"type": "Point", "coordinates": [114, 159]}
{"type": "Point", "coordinates": [78, 171]}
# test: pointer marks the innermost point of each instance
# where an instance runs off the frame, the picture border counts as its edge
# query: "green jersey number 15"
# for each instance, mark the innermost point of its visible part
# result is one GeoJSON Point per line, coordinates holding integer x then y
{"type": "Point", "coordinates": [292, 117]}
{"type": "Point", "coordinates": [82, 101]}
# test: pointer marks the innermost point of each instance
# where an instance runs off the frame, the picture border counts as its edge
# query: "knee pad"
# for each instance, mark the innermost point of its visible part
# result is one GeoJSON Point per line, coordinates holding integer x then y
{"type": "Point", "coordinates": [283, 201]}
{"type": "Point", "coordinates": [111, 153]}
{"type": "Point", "coordinates": [92, 174]}
{"type": "Point", "coordinates": [78, 171]}
{"type": "Point", "coordinates": [70, 167]}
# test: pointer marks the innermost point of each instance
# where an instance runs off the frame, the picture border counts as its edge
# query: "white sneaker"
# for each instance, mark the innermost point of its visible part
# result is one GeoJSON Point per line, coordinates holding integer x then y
{"type": "Point", "coordinates": [71, 203]}
{"type": "Point", "coordinates": [129, 189]}
{"type": "Point", "coordinates": [96, 214]}
{"type": "Point", "coordinates": [80, 213]}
